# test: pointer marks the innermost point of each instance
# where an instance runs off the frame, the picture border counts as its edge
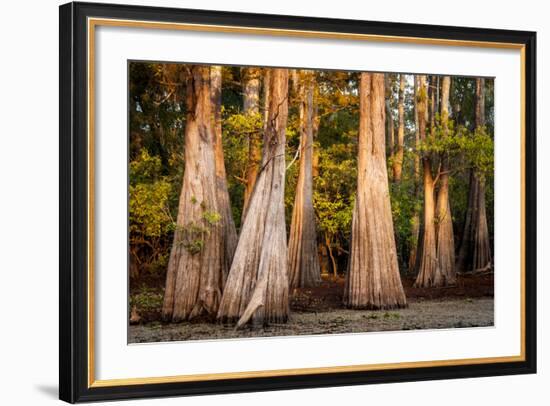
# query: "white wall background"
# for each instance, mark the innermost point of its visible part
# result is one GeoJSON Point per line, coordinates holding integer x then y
{"type": "Point", "coordinates": [29, 203]}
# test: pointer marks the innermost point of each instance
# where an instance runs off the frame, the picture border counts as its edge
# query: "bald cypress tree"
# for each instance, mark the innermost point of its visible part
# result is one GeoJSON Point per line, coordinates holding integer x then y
{"type": "Point", "coordinates": [229, 240]}
{"type": "Point", "coordinates": [257, 285]}
{"type": "Point", "coordinates": [251, 107]}
{"type": "Point", "coordinates": [373, 280]}
{"type": "Point", "coordinates": [475, 247]}
{"type": "Point", "coordinates": [444, 219]}
{"type": "Point", "coordinates": [303, 261]}
{"type": "Point", "coordinates": [429, 272]}
{"type": "Point", "coordinates": [196, 267]}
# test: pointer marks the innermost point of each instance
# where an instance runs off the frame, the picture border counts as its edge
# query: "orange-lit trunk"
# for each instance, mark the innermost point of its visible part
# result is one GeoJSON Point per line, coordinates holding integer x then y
{"type": "Point", "coordinates": [196, 267]}
{"type": "Point", "coordinates": [399, 149]}
{"type": "Point", "coordinates": [229, 241]}
{"type": "Point", "coordinates": [251, 107]}
{"type": "Point", "coordinates": [373, 280]}
{"type": "Point", "coordinates": [429, 273]}
{"type": "Point", "coordinates": [444, 218]}
{"type": "Point", "coordinates": [303, 261]}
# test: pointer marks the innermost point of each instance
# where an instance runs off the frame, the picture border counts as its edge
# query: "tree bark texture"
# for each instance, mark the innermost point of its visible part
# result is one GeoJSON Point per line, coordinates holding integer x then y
{"type": "Point", "coordinates": [390, 125]}
{"type": "Point", "coordinates": [429, 273]}
{"type": "Point", "coordinates": [475, 247]}
{"type": "Point", "coordinates": [399, 150]}
{"type": "Point", "coordinates": [257, 287]}
{"type": "Point", "coordinates": [251, 107]}
{"type": "Point", "coordinates": [444, 220]}
{"type": "Point", "coordinates": [303, 261]}
{"type": "Point", "coordinates": [415, 221]}
{"type": "Point", "coordinates": [373, 280]}
{"type": "Point", "coordinates": [229, 241]}
{"type": "Point", "coordinates": [194, 279]}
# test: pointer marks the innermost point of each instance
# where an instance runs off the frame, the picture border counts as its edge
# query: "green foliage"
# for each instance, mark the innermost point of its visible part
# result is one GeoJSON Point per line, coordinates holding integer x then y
{"type": "Point", "coordinates": [334, 192]}
{"type": "Point", "coordinates": [149, 216]}
{"type": "Point", "coordinates": [150, 222]}
{"type": "Point", "coordinates": [192, 236]}
{"type": "Point", "coordinates": [146, 299]}
{"type": "Point", "coordinates": [211, 217]}
{"type": "Point", "coordinates": [237, 129]}
{"type": "Point", "coordinates": [475, 147]}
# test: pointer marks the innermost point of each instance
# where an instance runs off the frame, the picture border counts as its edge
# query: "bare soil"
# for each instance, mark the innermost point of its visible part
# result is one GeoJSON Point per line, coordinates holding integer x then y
{"type": "Point", "coordinates": [320, 311]}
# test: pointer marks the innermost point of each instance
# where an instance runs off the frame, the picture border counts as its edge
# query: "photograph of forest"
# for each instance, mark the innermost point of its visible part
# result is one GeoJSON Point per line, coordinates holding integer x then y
{"type": "Point", "coordinates": [279, 201]}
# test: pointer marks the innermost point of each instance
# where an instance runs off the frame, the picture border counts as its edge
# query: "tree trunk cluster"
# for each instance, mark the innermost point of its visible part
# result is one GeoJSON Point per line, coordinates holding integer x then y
{"type": "Point", "coordinates": [247, 278]}
{"type": "Point", "coordinates": [475, 247]}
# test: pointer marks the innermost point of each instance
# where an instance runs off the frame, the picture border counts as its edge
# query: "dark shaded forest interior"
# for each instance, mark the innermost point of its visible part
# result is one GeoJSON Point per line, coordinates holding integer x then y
{"type": "Point", "coordinates": [273, 201]}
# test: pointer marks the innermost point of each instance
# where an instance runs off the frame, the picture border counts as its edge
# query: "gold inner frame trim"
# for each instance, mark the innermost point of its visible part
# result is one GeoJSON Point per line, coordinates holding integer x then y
{"type": "Point", "coordinates": [94, 22]}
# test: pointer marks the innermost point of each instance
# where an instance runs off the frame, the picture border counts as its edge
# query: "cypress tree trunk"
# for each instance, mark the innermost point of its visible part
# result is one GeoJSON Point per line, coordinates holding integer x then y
{"type": "Point", "coordinates": [229, 240]}
{"type": "Point", "coordinates": [444, 220]}
{"type": "Point", "coordinates": [373, 280]}
{"type": "Point", "coordinates": [251, 107]}
{"type": "Point", "coordinates": [482, 245]}
{"type": "Point", "coordinates": [257, 285]}
{"type": "Point", "coordinates": [415, 221]}
{"type": "Point", "coordinates": [390, 126]}
{"type": "Point", "coordinates": [464, 261]}
{"type": "Point", "coordinates": [194, 279]}
{"type": "Point", "coordinates": [398, 155]}
{"type": "Point", "coordinates": [475, 248]}
{"type": "Point", "coordinates": [429, 273]}
{"type": "Point", "coordinates": [303, 261]}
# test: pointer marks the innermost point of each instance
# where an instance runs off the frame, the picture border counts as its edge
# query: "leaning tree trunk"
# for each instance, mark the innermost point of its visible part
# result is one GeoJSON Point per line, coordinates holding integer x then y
{"type": "Point", "coordinates": [373, 280]}
{"type": "Point", "coordinates": [444, 220]}
{"type": "Point", "coordinates": [415, 221]}
{"type": "Point", "coordinates": [429, 273]}
{"type": "Point", "coordinates": [229, 241]}
{"type": "Point", "coordinates": [475, 247]}
{"type": "Point", "coordinates": [194, 278]}
{"type": "Point", "coordinates": [303, 261]}
{"type": "Point", "coordinates": [251, 107]}
{"type": "Point", "coordinates": [257, 286]}
{"type": "Point", "coordinates": [399, 150]}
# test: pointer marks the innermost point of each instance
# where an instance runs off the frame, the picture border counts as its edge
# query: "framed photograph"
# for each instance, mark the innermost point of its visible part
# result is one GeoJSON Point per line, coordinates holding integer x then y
{"type": "Point", "coordinates": [256, 202]}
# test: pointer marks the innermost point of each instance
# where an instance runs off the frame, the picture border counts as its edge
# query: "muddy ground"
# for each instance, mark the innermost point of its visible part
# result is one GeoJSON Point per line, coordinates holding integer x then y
{"type": "Point", "coordinates": [320, 311]}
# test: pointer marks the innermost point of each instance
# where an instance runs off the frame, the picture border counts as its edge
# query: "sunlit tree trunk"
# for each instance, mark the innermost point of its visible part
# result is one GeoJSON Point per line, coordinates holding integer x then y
{"type": "Point", "coordinates": [303, 261]}
{"type": "Point", "coordinates": [415, 221]}
{"type": "Point", "coordinates": [194, 279]}
{"type": "Point", "coordinates": [229, 240]}
{"type": "Point", "coordinates": [390, 126]}
{"type": "Point", "coordinates": [251, 107]}
{"type": "Point", "coordinates": [373, 280]}
{"type": "Point", "coordinates": [266, 94]}
{"type": "Point", "coordinates": [257, 286]}
{"type": "Point", "coordinates": [399, 148]}
{"type": "Point", "coordinates": [444, 220]}
{"type": "Point", "coordinates": [429, 273]}
{"type": "Point", "coordinates": [475, 248]}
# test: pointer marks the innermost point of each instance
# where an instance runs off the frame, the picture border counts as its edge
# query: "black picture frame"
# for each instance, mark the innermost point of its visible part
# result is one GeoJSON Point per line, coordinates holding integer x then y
{"type": "Point", "coordinates": [73, 257]}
